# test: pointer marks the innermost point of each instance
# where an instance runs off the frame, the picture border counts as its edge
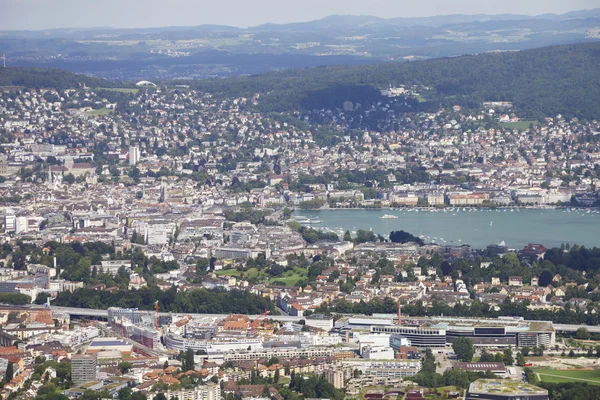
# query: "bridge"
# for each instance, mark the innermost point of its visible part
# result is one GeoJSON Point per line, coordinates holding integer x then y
{"type": "Point", "coordinates": [103, 314]}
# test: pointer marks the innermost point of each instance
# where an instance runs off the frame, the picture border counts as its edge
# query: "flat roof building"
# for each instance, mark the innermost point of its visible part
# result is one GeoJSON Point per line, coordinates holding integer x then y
{"type": "Point", "coordinates": [504, 389]}
{"type": "Point", "coordinates": [83, 368]}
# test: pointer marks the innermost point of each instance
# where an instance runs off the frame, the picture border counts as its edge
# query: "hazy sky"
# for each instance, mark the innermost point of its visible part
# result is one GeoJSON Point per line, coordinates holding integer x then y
{"type": "Point", "coordinates": [44, 14]}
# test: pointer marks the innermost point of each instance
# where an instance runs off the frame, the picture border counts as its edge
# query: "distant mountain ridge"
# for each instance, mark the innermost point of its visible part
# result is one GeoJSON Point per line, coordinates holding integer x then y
{"type": "Point", "coordinates": [329, 22]}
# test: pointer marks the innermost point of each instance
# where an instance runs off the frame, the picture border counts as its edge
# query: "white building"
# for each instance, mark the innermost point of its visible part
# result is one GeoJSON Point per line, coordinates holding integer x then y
{"type": "Point", "coordinates": [134, 155]}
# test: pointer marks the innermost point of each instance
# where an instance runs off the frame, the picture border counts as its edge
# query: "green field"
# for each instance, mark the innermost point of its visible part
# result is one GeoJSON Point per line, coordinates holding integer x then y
{"type": "Point", "coordinates": [290, 278]}
{"type": "Point", "coordinates": [122, 90]}
{"type": "Point", "coordinates": [559, 376]}
{"type": "Point", "coordinates": [521, 125]}
{"type": "Point", "coordinates": [100, 111]}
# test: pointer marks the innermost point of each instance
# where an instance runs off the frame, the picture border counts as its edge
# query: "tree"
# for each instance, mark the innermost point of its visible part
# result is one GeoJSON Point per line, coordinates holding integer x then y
{"type": "Point", "coordinates": [347, 236]}
{"type": "Point", "coordinates": [125, 366]}
{"type": "Point", "coordinates": [266, 392]}
{"type": "Point", "coordinates": [124, 394]}
{"type": "Point", "coordinates": [520, 360]}
{"type": "Point", "coordinates": [404, 237]}
{"type": "Point", "coordinates": [276, 376]}
{"type": "Point", "coordinates": [189, 363]}
{"type": "Point", "coordinates": [160, 396]}
{"type": "Point", "coordinates": [10, 372]}
{"type": "Point", "coordinates": [508, 357]}
{"type": "Point", "coordinates": [582, 333]}
{"type": "Point", "coordinates": [525, 350]}
{"type": "Point", "coordinates": [486, 356]}
{"type": "Point", "coordinates": [272, 361]}
{"type": "Point", "coordinates": [69, 178]}
{"type": "Point", "coordinates": [545, 278]}
{"type": "Point", "coordinates": [463, 347]}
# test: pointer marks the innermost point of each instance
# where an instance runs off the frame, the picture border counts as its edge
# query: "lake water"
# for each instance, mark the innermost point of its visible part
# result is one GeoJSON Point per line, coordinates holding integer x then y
{"type": "Point", "coordinates": [476, 227]}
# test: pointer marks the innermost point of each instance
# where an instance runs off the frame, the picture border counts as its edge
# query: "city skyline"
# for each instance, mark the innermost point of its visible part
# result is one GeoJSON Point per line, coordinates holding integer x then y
{"type": "Point", "coordinates": [46, 14]}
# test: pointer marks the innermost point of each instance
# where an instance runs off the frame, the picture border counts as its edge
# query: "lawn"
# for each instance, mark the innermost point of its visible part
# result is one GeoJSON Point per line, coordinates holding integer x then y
{"type": "Point", "coordinates": [100, 111]}
{"type": "Point", "coordinates": [290, 278]}
{"type": "Point", "coordinates": [251, 273]}
{"type": "Point", "coordinates": [521, 125]}
{"type": "Point", "coordinates": [122, 90]}
{"type": "Point", "coordinates": [563, 376]}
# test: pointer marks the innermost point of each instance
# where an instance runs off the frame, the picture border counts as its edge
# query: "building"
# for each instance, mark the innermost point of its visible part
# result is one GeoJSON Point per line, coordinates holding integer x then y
{"type": "Point", "coordinates": [499, 389]}
{"type": "Point", "coordinates": [377, 352]}
{"type": "Point", "coordinates": [134, 155]}
{"type": "Point", "coordinates": [497, 368]}
{"type": "Point", "coordinates": [418, 337]}
{"type": "Point", "coordinates": [501, 332]}
{"type": "Point", "coordinates": [384, 368]}
{"type": "Point", "coordinates": [83, 368]}
{"type": "Point", "coordinates": [335, 377]}
{"type": "Point", "coordinates": [209, 391]}
{"type": "Point", "coordinates": [533, 251]}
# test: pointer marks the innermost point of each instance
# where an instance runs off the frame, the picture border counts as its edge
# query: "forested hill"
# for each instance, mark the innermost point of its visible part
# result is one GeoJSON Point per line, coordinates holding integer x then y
{"type": "Point", "coordinates": [540, 82]}
{"type": "Point", "coordinates": [49, 78]}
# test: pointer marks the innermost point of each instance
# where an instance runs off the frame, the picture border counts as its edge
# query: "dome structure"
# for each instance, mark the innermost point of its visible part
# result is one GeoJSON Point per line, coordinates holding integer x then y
{"type": "Point", "coordinates": [145, 84]}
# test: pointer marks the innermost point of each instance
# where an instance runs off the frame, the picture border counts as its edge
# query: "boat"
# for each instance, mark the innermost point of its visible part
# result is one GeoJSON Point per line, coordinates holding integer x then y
{"type": "Point", "coordinates": [308, 220]}
{"type": "Point", "coordinates": [388, 216]}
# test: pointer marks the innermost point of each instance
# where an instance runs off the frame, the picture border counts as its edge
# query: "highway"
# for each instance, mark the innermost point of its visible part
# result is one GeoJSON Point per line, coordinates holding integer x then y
{"type": "Point", "coordinates": [94, 313]}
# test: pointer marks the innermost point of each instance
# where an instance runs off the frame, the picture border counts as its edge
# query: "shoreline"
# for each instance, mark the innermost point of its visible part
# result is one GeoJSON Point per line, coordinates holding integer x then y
{"type": "Point", "coordinates": [407, 208]}
{"type": "Point", "coordinates": [477, 226]}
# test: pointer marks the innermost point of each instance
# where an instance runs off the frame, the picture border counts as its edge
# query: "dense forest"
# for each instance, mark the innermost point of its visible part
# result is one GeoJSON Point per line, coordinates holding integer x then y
{"type": "Point", "coordinates": [201, 301]}
{"type": "Point", "coordinates": [50, 78]}
{"type": "Point", "coordinates": [540, 82]}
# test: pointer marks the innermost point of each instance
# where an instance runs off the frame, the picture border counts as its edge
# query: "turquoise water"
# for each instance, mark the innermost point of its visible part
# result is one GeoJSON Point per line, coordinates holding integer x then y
{"type": "Point", "coordinates": [476, 227]}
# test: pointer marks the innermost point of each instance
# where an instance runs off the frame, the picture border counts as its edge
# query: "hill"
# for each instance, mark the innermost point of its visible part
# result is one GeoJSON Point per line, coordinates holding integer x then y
{"type": "Point", "coordinates": [49, 78]}
{"type": "Point", "coordinates": [540, 82]}
{"type": "Point", "coordinates": [208, 51]}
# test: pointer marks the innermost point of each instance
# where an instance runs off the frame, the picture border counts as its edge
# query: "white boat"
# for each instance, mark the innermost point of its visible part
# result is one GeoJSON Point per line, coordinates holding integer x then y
{"type": "Point", "coordinates": [388, 216]}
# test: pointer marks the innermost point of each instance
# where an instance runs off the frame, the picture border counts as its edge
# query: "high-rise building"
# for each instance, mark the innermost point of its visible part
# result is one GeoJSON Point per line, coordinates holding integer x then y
{"type": "Point", "coordinates": [10, 221]}
{"type": "Point", "coordinates": [335, 377]}
{"type": "Point", "coordinates": [83, 368]}
{"type": "Point", "coordinates": [134, 155]}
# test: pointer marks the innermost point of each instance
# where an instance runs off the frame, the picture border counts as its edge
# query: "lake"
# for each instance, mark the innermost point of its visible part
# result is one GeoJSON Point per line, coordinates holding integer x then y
{"type": "Point", "coordinates": [476, 227]}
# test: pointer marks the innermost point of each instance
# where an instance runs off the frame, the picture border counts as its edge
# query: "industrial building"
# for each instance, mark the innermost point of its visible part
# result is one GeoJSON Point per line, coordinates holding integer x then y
{"type": "Point", "coordinates": [441, 331]}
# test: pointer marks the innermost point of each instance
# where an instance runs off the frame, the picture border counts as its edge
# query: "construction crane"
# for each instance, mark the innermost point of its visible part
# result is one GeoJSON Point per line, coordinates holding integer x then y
{"type": "Point", "coordinates": [256, 323]}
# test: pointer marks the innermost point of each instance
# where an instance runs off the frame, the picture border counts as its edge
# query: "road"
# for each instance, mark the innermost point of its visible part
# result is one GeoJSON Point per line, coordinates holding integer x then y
{"type": "Point", "coordinates": [95, 313]}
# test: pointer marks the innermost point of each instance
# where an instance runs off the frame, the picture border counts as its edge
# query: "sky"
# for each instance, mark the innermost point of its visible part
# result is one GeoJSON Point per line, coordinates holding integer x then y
{"type": "Point", "coordinates": [47, 14]}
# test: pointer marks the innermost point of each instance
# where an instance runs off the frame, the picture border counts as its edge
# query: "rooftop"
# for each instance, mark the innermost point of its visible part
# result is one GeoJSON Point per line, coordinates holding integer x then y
{"type": "Point", "coordinates": [505, 386]}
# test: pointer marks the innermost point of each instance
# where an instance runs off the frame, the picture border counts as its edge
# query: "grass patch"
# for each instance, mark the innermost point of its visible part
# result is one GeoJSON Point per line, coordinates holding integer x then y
{"type": "Point", "coordinates": [560, 376]}
{"type": "Point", "coordinates": [122, 90]}
{"type": "Point", "coordinates": [521, 125]}
{"type": "Point", "coordinates": [251, 273]}
{"type": "Point", "coordinates": [100, 112]}
{"type": "Point", "coordinates": [290, 278]}
{"type": "Point", "coordinates": [441, 393]}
